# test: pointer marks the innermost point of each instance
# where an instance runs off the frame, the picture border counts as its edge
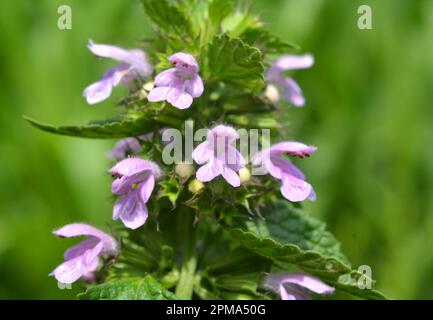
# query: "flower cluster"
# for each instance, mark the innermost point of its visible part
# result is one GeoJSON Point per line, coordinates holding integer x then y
{"type": "Point", "coordinates": [135, 178]}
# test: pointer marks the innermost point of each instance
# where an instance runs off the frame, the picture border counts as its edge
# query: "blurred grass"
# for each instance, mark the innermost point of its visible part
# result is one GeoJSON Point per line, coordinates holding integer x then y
{"type": "Point", "coordinates": [368, 110]}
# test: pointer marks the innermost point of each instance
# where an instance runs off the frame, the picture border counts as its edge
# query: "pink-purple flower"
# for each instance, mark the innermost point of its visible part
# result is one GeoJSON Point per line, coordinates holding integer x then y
{"type": "Point", "coordinates": [218, 156]}
{"type": "Point", "coordinates": [178, 85]}
{"type": "Point", "coordinates": [288, 87]}
{"type": "Point", "coordinates": [133, 64]}
{"type": "Point", "coordinates": [135, 181]}
{"type": "Point", "coordinates": [293, 187]}
{"type": "Point", "coordinates": [296, 286]}
{"type": "Point", "coordinates": [82, 260]}
{"type": "Point", "coordinates": [125, 146]}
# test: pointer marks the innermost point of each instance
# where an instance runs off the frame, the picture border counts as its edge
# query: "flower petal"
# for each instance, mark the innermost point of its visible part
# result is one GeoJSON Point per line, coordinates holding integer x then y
{"type": "Point", "coordinates": [69, 271]}
{"type": "Point", "coordinates": [134, 212]}
{"type": "Point", "coordinates": [194, 87]}
{"type": "Point", "coordinates": [202, 153]}
{"type": "Point", "coordinates": [124, 146]}
{"type": "Point", "coordinates": [292, 292]}
{"type": "Point", "coordinates": [101, 89]}
{"type": "Point", "coordinates": [158, 94]}
{"type": "Point", "coordinates": [279, 166]}
{"type": "Point", "coordinates": [263, 159]}
{"type": "Point", "coordinates": [293, 93]}
{"type": "Point", "coordinates": [124, 184]}
{"type": "Point", "coordinates": [131, 166]}
{"type": "Point", "coordinates": [312, 196]}
{"type": "Point", "coordinates": [134, 57]}
{"type": "Point", "coordinates": [117, 208]}
{"type": "Point", "coordinates": [81, 229]}
{"type": "Point", "coordinates": [294, 189]}
{"type": "Point", "coordinates": [311, 283]}
{"type": "Point", "coordinates": [179, 99]}
{"type": "Point", "coordinates": [91, 255]}
{"type": "Point", "coordinates": [141, 67]}
{"type": "Point", "coordinates": [231, 176]}
{"type": "Point", "coordinates": [209, 171]}
{"type": "Point", "coordinates": [293, 62]}
{"type": "Point", "coordinates": [98, 91]}
{"type": "Point", "coordinates": [233, 158]}
{"type": "Point", "coordinates": [145, 188]}
{"type": "Point", "coordinates": [78, 229]}
{"type": "Point", "coordinates": [290, 285]}
{"type": "Point", "coordinates": [165, 78]}
{"type": "Point", "coordinates": [184, 62]}
{"type": "Point", "coordinates": [81, 247]}
{"type": "Point", "coordinates": [293, 148]}
{"type": "Point", "coordinates": [220, 135]}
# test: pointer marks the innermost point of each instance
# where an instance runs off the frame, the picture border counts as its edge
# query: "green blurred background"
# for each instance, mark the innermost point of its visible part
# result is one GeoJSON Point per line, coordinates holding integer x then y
{"type": "Point", "coordinates": [369, 111]}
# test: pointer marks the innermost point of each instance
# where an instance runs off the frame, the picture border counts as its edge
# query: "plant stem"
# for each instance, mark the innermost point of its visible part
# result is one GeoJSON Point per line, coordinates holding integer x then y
{"type": "Point", "coordinates": [185, 285]}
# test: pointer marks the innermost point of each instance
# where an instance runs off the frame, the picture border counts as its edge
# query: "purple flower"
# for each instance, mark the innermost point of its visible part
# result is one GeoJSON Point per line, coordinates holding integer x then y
{"type": "Point", "coordinates": [295, 286]}
{"type": "Point", "coordinates": [125, 146]}
{"type": "Point", "coordinates": [294, 187]}
{"type": "Point", "coordinates": [178, 85]}
{"type": "Point", "coordinates": [133, 64]}
{"type": "Point", "coordinates": [82, 260]}
{"type": "Point", "coordinates": [135, 180]}
{"type": "Point", "coordinates": [220, 156]}
{"type": "Point", "coordinates": [290, 89]}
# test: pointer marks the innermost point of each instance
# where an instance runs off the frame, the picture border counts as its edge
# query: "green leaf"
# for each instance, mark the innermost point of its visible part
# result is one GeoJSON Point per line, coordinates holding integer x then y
{"type": "Point", "coordinates": [171, 189]}
{"type": "Point", "coordinates": [240, 21]}
{"type": "Point", "coordinates": [233, 61]}
{"type": "Point", "coordinates": [267, 42]}
{"type": "Point", "coordinates": [105, 130]}
{"type": "Point", "coordinates": [238, 270]}
{"type": "Point", "coordinates": [289, 235]}
{"type": "Point", "coordinates": [264, 120]}
{"type": "Point", "coordinates": [136, 123]}
{"type": "Point", "coordinates": [167, 16]}
{"type": "Point", "coordinates": [146, 288]}
{"type": "Point", "coordinates": [219, 9]}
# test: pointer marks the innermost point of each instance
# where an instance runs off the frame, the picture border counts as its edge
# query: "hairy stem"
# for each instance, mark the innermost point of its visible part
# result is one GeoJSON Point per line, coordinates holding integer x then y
{"type": "Point", "coordinates": [185, 285]}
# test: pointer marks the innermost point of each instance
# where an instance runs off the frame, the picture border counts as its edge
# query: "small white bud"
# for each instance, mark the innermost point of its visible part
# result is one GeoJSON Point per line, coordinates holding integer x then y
{"type": "Point", "coordinates": [271, 93]}
{"type": "Point", "coordinates": [148, 86]}
{"type": "Point", "coordinates": [145, 89]}
{"type": "Point", "coordinates": [142, 94]}
{"type": "Point", "coordinates": [195, 186]}
{"type": "Point", "coordinates": [245, 175]}
{"type": "Point", "coordinates": [184, 170]}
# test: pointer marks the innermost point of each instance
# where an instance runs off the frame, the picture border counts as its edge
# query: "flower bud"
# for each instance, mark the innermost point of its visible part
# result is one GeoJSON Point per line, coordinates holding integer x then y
{"type": "Point", "coordinates": [271, 93]}
{"type": "Point", "coordinates": [142, 93]}
{"type": "Point", "coordinates": [245, 175]}
{"type": "Point", "coordinates": [148, 86]}
{"type": "Point", "coordinates": [195, 186]}
{"type": "Point", "coordinates": [184, 170]}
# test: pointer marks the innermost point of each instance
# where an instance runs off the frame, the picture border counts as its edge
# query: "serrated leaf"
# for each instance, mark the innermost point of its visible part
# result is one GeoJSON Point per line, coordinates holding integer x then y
{"type": "Point", "coordinates": [146, 288]}
{"type": "Point", "coordinates": [167, 16]}
{"type": "Point", "coordinates": [289, 235]}
{"type": "Point", "coordinates": [104, 130]}
{"type": "Point", "coordinates": [233, 61]}
{"type": "Point", "coordinates": [267, 42]}
{"type": "Point", "coordinates": [171, 189]}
